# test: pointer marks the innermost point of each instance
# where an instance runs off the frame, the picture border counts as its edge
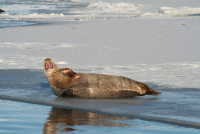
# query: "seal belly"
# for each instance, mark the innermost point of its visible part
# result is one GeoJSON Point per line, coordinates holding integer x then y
{"type": "Point", "coordinates": [104, 86]}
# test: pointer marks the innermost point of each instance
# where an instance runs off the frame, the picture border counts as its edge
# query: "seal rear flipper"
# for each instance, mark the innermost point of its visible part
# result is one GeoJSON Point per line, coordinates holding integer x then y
{"type": "Point", "coordinates": [148, 91]}
{"type": "Point", "coordinates": [67, 72]}
{"type": "Point", "coordinates": [152, 92]}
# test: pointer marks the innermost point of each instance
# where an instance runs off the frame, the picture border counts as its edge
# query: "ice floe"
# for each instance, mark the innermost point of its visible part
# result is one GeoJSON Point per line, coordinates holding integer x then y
{"type": "Point", "coordinates": [179, 12]}
{"type": "Point", "coordinates": [35, 45]}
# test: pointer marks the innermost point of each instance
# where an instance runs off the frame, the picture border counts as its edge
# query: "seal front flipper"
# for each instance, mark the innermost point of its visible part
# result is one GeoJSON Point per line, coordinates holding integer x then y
{"type": "Point", "coordinates": [67, 72]}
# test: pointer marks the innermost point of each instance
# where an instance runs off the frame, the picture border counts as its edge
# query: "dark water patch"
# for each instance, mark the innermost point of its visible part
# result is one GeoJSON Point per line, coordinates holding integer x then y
{"type": "Point", "coordinates": [193, 15]}
{"type": "Point", "coordinates": [187, 15]}
{"type": "Point", "coordinates": [4, 24]}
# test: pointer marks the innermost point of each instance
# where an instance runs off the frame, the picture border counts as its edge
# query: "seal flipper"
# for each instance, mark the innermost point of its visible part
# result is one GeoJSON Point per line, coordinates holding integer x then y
{"type": "Point", "coordinates": [67, 72]}
{"type": "Point", "coordinates": [147, 90]}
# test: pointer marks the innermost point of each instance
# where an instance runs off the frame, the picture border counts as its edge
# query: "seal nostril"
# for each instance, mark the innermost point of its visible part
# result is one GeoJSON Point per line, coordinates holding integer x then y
{"type": "Point", "coordinates": [48, 65]}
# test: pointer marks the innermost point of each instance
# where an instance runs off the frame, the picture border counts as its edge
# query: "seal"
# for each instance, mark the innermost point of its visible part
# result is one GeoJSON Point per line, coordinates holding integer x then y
{"type": "Point", "coordinates": [1, 11]}
{"type": "Point", "coordinates": [65, 82]}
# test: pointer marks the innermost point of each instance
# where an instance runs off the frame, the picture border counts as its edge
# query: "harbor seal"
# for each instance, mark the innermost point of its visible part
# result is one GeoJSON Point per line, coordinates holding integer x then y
{"type": "Point", "coordinates": [1, 11]}
{"type": "Point", "coordinates": [65, 82]}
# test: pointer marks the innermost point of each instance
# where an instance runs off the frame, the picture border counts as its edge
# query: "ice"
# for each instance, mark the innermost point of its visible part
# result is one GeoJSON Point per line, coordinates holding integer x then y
{"type": "Point", "coordinates": [181, 12]}
{"type": "Point", "coordinates": [35, 45]}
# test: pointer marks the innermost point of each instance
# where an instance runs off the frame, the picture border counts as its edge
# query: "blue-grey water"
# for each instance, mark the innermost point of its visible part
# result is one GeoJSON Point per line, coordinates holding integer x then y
{"type": "Point", "coordinates": [23, 118]}
{"type": "Point", "coordinates": [4, 24]}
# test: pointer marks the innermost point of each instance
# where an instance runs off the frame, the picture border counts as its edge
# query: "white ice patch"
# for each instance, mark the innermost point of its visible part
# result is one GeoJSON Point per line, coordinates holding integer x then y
{"type": "Point", "coordinates": [62, 62]}
{"type": "Point", "coordinates": [104, 10]}
{"type": "Point", "coordinates": [17, 61]}
{"type": "Point", "coordinates": [179, 12]}
{"type": "Point", "coordinates": [70, 11]}
{"type": "Point", "coordinates": [119, 8]}
{"type": "Point", "coordinates": [33, 16]}
{"type": "Point", "coordinates": [35, 45]}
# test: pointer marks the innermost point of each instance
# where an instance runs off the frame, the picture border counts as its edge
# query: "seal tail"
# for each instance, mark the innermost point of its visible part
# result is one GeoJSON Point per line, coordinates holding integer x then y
{"type": "Point", "coordinates": [148, 90]}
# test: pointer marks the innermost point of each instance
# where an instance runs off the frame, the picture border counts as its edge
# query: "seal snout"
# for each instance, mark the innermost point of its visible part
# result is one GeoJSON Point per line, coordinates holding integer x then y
{"type": "Point", "coordinates": [48, 65]}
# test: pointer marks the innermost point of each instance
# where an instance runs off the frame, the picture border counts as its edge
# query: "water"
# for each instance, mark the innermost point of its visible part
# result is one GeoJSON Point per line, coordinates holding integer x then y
{"type": "Point", "coordinates": [21, 118]}
{"type": "Point", "coordinates": [4, 24]}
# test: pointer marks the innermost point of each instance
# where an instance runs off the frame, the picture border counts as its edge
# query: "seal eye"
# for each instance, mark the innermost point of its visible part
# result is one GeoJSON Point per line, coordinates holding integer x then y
{"type": "Point", "coordinates": [48, 65]}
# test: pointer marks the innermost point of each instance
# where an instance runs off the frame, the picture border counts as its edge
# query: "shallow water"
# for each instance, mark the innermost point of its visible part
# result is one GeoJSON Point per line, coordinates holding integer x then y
{"type": "Point", "coordinates": [4, 24]}
{"type": "Point", "coordinates": [19, 118]}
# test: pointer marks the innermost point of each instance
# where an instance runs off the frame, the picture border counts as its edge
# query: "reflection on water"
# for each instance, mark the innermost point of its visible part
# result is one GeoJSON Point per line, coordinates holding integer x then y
{"type": "Point", "coordinates": [64, 119]}
{"type": "Point", "coordinates": [4, 24]}
{"type": "Point", "coordinates": [24, 118]}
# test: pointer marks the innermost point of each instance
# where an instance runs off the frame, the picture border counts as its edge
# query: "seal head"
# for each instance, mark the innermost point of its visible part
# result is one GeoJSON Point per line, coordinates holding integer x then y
{"type": "Point", "coordinates": [51, 70]}
{"type": "Point", "coordinates": [49, 67]}
{"type": "Point", "coordinates": [59, 80]}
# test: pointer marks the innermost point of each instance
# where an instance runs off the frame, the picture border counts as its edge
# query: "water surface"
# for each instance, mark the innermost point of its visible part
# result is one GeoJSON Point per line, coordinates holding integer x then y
{"type": "Point", "coordinates": [23, 118]}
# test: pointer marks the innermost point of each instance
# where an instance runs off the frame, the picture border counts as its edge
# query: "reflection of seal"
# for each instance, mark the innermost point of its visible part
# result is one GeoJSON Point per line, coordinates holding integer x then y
{"type": "Point", "coordinates": [66, 120]}
{"type": "Point", "coordinates": [1, 11]}
{"type": "Point", "coordinates": [85, 85]}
